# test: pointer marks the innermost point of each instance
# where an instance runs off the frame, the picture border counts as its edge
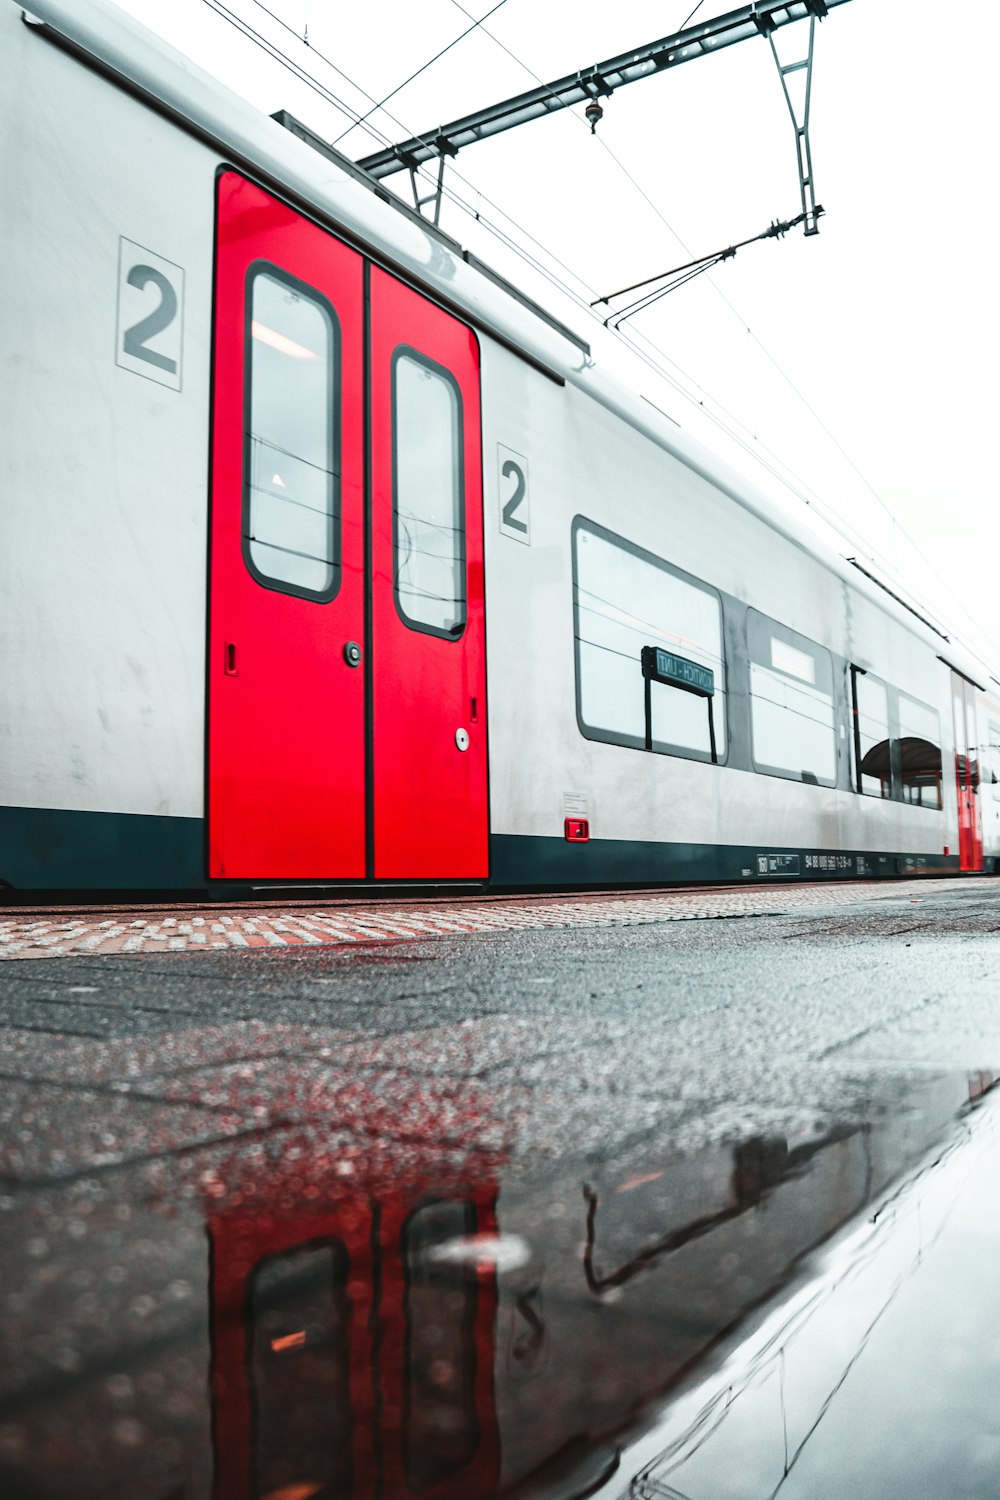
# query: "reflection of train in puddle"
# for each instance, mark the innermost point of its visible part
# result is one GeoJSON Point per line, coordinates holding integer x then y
{"type": "Point", "coordinates": [353, 1341]}
{"type": "Point", "coordinates": [419, 1328]}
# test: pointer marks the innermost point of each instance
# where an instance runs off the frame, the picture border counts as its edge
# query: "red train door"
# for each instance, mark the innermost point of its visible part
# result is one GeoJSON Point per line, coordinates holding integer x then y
{"type": "Point", "coordinates": [326, 759]}
{"type": "Point", "coordinates": [428, 642]}
{"type": "Point", "coordinates": [970, 826]}
{"type": "Point", "coordinates": [286, 731]}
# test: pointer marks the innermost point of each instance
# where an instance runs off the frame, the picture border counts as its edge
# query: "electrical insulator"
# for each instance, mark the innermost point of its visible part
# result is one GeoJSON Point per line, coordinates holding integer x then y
{"type": "Point", "coordinates": [594, 114]}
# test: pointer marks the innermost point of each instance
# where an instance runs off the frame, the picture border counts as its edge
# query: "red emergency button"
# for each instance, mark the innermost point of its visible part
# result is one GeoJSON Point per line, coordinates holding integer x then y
{"type": "Point", "coordinates": [578, 830]}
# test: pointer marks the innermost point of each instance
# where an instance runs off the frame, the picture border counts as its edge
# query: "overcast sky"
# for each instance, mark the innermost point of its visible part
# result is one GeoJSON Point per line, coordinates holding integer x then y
{"type": "Point", "coordinates": [861, 361]}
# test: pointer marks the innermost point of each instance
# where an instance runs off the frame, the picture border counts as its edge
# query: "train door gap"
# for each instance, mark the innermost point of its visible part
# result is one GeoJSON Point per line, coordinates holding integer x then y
{"type": "Point", "coordinates": [369, 662]}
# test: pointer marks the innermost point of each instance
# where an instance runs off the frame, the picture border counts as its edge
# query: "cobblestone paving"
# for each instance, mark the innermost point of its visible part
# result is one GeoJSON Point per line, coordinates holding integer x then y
{"type": "Point", "coordinates": [172, 929]}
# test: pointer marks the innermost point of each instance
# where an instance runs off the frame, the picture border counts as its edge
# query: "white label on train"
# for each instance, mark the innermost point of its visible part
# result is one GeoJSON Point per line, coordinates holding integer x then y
{"type": "Point", "coordinates": [150, 314]}
{"type": "Point", "coordinates": [515, 508]}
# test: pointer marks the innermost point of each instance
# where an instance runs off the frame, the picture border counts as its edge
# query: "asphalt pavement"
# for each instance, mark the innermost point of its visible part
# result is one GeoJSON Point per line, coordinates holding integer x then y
{"type": "Point", "coordinates": [458, 1213]}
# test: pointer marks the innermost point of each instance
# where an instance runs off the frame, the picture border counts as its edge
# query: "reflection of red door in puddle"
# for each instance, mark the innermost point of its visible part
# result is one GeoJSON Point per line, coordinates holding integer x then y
{"type": "Point", "coordinates": [970, 828]}
{"type": "Point", "coordinates": [350, 1359]}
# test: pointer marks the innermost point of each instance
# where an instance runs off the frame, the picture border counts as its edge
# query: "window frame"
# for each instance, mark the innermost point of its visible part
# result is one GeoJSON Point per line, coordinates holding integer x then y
{"type": "Point", "coordinates": [799, 642]}
{"type": "Point", "coordinates": [897, 751]}
{"type": "Point", "coordinates": [893, 696]}
{"type": "Point", "coordinates": [335, 386]}
{"type": "Point", "coordinates": [637, 742]}
{"type": "Point", "coordinates": [892, 717]}
{"type": "Point", "coordinates": [407, 351]}
{"type": "Point", "coordinates": [993, 728]}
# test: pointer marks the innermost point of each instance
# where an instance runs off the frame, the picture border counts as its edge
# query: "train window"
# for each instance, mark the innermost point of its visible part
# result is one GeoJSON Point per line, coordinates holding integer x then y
{"type": "Point", "coordinates": [920, 753]}
{"type": "Point", "coordinates": [792, 708]}
{"type": "Point", "coordinates": [440, 1422]}
{"type": "Point", "coordinates": [626, 599]}
{"type": "Point", "coordinates": [995, 758]}
{"type": "Point", "coordinates": [291, 484]}
{"type": "Point", "coordinates": [428, 499]}
{"type": "Point", "coordinates": [872, 741]}
{"type": "Point", "coordinates": [298, 1353]}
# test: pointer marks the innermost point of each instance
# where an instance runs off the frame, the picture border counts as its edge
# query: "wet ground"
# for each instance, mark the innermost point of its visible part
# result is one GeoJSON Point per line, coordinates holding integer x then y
{"type": "Point", "coordinates": [638, 1207]}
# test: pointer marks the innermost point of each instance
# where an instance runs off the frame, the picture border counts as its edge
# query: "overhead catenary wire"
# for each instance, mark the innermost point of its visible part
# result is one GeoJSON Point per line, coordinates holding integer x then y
{"type": "Point", "coordinates": [422, 69]}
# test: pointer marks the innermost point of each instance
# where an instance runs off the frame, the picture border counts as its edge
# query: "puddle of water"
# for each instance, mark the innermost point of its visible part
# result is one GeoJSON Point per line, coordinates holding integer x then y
{"type": "Point", "coordinates": [878, 1375]}
{"type": "Point", "coordinates": [277, 1327]}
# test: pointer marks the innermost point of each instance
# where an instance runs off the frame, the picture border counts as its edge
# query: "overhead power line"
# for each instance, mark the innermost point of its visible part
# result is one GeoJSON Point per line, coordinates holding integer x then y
{"type": "Point", "coordinates": [422, 69]}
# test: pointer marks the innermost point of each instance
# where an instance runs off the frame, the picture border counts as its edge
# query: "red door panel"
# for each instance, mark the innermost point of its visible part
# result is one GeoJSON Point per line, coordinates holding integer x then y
{"type": "Point", "coordinates": [428, 641]}
{"type": "Point", "coordinates": [286, 746]}
{"type": "Point", "coordinates": [970, 826]}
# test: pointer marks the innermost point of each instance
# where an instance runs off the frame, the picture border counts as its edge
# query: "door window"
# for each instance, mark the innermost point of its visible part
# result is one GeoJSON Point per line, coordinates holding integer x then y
{"type": "Point", "coordinates": [299, 1372]}
{"type": "Point", "coordinates": [428, 503]}
{"type": "Point", "coordinates": [440, 1424]}
{"type": "Point", "coordinates": [291, 500]}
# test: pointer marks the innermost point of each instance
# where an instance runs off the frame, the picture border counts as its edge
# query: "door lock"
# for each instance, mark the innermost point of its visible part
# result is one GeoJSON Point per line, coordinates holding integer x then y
{"type": "Point", "coordinates": [352, 654]}
{"type": "Point", "coordinates": [462, 739]}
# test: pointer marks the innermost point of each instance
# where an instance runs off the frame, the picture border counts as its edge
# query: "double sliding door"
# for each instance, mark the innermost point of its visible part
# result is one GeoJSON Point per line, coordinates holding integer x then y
{"type": "Point", "coordinates": [346, 679]}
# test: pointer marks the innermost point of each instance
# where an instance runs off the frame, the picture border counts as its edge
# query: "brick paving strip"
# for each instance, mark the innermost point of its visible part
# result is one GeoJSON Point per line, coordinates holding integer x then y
{"type": "Point", "coordinates": [178, 930]}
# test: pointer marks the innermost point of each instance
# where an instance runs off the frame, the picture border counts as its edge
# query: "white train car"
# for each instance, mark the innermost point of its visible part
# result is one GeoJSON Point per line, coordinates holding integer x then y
{"type": "Point", "coordinates": [329, 560]}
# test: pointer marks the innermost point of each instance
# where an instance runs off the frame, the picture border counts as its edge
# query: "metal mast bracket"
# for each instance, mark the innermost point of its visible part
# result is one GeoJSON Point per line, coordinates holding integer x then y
{"type": "Point", "coordinates": [811, 210]}
{"type": "Point", "coordinates": [445, 149]}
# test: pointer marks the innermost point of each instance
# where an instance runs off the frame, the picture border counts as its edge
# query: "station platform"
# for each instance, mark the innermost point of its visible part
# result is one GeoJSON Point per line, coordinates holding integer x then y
{"type": "Point", "coordinates": [36, 933]}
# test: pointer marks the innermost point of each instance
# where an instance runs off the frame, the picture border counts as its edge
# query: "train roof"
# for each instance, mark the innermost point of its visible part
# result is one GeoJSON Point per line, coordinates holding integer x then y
{"type": "Point", "coordinates": [333, 188]}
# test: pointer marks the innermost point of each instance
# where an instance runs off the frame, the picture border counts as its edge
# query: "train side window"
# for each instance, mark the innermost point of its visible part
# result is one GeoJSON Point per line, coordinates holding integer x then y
{"type": "Point", "coordinates": [428, 496]}
{"type": "Point", "coordinates": [872, 740]}
{"type": "Point", "coordinates": [291, 521]}
{"type": "Point", "coordinates": [920, 753]}
{"type": "Point", "coordinates": [626, 599]}
{"type": "Point", "coordinates": [792, 704]}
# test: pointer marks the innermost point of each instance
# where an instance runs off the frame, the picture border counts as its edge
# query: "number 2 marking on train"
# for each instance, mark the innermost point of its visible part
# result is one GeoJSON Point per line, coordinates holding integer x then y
{"type": "Point", "coordinates": [515, 517]}
{"type": "Point", "coordinates": [155, 322]}
{"type": "Point", "coordinates": [150, 314]}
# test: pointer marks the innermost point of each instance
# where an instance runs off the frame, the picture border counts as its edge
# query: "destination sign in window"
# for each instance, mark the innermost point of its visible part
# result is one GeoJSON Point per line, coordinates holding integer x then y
{"type": "Point", "coordinates": [677, 671]}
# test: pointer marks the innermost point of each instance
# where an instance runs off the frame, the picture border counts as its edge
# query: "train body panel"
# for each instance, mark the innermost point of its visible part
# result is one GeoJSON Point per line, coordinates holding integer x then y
{"type": "Point", "coordinates": [577, 458]}
{"type": "Point", "coordinates": [606, 532]}
{"type": "Point", "coordinates": [104, 535]}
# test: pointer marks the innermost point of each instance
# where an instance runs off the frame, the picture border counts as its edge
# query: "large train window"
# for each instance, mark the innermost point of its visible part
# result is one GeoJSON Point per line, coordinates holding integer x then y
{"type": "Point", "coordinates": [298, 1355]}
{"type": "Point", "coordinates": [291, 523]}
{"type": "Point", "coordinates": [791, 698]}
{"type": "Point", "coordinates": [919, 741]}
{"type": "Point", "coordinates": [872, 740]}
{"type": "Point", "coordinates": [428, 500]}
{"type": "Point", "coordinates": [624, 600]}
